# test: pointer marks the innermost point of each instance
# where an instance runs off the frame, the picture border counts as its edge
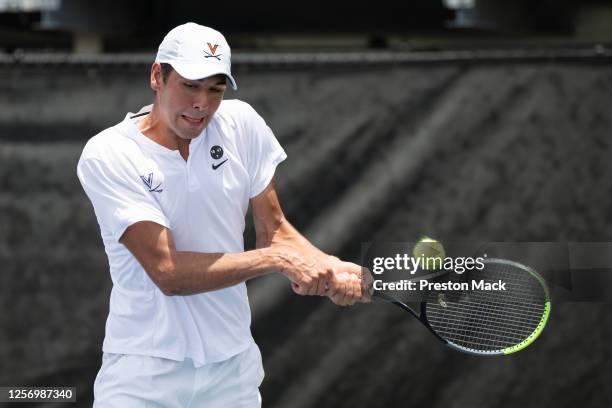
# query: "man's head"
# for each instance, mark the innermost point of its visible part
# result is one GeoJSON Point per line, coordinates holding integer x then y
{"type": "Point", "coordinates": [195, 52]}
{"type": "Point", "coordinates": [190, 75]}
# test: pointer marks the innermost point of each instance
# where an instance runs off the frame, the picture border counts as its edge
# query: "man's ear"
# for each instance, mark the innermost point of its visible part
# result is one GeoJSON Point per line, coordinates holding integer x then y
{"type": "Point", "coordinates": [156, 76]}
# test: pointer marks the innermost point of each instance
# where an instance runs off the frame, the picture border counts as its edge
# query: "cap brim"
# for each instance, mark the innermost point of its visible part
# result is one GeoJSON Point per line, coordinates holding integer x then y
{"type": "Point", "coordinates": [195, 72]}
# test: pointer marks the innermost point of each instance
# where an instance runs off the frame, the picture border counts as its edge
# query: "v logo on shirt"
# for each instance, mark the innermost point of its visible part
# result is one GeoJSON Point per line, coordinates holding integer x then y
{"type": "Point", "coordinates": [149, 183]}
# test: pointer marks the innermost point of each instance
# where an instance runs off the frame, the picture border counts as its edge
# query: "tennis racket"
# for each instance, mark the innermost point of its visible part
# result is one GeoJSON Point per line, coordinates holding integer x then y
{"type": "Point", "coordinates": [485, 323]}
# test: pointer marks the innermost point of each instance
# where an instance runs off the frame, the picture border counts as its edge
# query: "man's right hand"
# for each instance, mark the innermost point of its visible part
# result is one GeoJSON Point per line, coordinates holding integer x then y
{"type": "Point", "coordinates": [357, 281]}
{"type": "Point", "coordinates": [309, 275]}
{"type": "Point", "coordinates": [323, 276]}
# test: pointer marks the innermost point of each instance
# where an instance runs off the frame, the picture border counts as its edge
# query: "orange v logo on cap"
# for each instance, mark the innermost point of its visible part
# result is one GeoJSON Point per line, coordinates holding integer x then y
{"type": "Point", "coordinates": [212, 48]}
{"type": "Point", "coordinates": [212, 53]}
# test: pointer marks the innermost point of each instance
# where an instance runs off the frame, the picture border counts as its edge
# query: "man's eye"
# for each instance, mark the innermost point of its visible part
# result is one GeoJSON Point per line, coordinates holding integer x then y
{"type": "Point", "coordinates": [188, 85]}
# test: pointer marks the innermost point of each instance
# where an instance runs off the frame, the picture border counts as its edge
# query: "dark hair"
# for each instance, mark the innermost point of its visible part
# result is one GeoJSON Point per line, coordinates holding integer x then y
{"type": "Point", "coordinates": [166, 70]}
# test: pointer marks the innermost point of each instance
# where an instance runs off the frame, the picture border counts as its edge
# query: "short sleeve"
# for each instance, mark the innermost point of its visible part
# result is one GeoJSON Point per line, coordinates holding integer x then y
{"type": "Point", "coordinates": [118, 200]}
{"type": "Point", "coordinates": [265, 153]}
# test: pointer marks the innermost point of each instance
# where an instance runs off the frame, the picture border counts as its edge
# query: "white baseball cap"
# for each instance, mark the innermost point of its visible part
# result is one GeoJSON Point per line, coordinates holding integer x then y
{"type": "Point", "coordinates": [196, 52]}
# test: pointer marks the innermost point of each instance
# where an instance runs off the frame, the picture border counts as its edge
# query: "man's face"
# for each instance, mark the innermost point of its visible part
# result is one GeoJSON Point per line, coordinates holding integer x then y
{"type": "Point", "coordinates": [187, 106]}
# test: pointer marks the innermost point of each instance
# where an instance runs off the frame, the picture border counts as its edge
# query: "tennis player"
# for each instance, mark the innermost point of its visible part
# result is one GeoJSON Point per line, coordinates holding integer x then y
{"type": "Point", "coordinates": [170, 186]}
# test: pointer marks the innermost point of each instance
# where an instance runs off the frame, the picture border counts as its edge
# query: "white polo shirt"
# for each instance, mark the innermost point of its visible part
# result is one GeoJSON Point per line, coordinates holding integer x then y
{"type": "Point", "coordinates": [203, 201]}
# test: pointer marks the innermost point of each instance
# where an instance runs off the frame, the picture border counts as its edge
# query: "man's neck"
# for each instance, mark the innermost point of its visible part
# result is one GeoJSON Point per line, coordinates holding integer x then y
{"type": "Point", "coordinates": [153, 127]}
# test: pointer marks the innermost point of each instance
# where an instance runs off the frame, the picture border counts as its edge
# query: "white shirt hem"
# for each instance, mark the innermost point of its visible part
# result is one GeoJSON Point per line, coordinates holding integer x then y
{"type": "Point", "coordinates": [177, 357]}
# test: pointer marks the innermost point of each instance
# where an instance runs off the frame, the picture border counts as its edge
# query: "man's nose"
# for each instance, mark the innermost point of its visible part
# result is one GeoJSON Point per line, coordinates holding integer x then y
{"type": "Point", "coordinates": [200, 103]}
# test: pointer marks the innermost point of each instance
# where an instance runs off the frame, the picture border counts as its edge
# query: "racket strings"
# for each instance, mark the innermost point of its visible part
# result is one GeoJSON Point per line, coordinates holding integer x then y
{"type": "Point", "coordinates": [489, 321]}
{"type": "Point", "coordinates": [492, 311]}
{"type": "Point", "coordinates": [520, 324]}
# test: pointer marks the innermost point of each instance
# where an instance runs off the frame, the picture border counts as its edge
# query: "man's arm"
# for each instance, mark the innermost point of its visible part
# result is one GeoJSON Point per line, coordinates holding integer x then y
{"type": "Point", "coordinates": [186, 273]}
{"type": "Point", "coordinates": [274, 230]}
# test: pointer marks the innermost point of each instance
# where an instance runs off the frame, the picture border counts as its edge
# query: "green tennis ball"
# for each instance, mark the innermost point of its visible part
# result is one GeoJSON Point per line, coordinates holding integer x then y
{"type": "Point", "coordinates": [431, 251]}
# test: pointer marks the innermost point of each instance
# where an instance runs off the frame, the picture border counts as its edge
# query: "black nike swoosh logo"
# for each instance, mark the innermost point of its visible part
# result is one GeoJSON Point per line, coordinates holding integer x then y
{"type": "Point", "coordinates": [215, 167]}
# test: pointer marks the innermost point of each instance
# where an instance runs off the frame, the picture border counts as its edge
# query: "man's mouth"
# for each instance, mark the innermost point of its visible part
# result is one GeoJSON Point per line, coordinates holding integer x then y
{"type": "Point", "coordinates": [192, 120]}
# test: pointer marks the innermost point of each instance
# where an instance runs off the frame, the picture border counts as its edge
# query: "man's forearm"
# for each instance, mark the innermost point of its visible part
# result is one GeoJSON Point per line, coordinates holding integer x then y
{"type": "Point", "coordinates": [286, 234]}
{"type": "Point", "coordinates": [194, 272]}
{"type": "Point", "coordinates": [317, 273]}
{"type": "Point", "coordinates": [189, 273]}
{"type": "Point", "coordinates": [341, 281]}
